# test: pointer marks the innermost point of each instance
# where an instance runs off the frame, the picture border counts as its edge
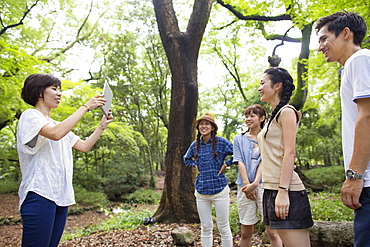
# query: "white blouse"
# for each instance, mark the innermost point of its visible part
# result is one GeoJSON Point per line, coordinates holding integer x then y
{"type": "Point", "coordinates": [46, 165]}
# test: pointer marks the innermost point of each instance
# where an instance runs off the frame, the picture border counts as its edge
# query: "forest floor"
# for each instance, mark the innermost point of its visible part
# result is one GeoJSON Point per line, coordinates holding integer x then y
{"type": "Point", "coordinates": [155, 235]}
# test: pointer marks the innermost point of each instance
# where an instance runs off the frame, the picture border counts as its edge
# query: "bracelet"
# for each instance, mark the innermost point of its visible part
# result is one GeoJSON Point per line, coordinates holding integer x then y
{"type": "Point", "coordinates": [283, 188]}
{"type": "Point", "coordinates": [101, 126]}
{"type": "Point", "coordinates": [88, 108]}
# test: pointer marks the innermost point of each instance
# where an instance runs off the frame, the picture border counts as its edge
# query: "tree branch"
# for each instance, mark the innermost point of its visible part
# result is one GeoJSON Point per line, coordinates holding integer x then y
{"type": "Point", "coordinates": [2, 31]}
{"type": "Point", "coordinates": [78, 38]}
{"type": "Point", "coordinates": [240, 16]}
{"type": "Point", "coordinates": [232, 71]}
{"type": "Point", "coordinates": [85, 21]}
{"type": "Point", "coordinates": [284, 37]}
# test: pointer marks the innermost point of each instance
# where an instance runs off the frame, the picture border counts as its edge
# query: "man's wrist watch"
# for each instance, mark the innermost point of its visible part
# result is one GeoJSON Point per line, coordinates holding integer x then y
{"type": "Point", "coordinates": [351, 174]}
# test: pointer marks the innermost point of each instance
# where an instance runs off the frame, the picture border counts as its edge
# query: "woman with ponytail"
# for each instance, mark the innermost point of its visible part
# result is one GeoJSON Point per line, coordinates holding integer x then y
{"type": "Point", "coordinates": [286, 206]}
{"type": "Point", "coordinates": [208, 154]}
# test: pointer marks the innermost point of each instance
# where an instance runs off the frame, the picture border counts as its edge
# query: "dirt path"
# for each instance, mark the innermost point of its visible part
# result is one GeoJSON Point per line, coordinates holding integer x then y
{"type": "Point", "coordinates": [11, 235]}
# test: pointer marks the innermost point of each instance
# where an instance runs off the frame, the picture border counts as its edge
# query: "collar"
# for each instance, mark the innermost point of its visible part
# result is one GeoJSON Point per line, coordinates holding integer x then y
{"type": "Point", "coordinates": [204, 143]}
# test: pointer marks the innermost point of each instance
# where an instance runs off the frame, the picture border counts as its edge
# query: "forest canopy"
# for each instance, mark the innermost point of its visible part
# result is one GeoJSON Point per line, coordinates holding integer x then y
{"type": "Point", "coordinates": [86, 44]}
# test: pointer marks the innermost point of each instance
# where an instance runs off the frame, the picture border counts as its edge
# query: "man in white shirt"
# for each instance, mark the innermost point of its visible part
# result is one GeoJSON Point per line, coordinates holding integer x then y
{"type": "Point", "coordinates": [340, 38]}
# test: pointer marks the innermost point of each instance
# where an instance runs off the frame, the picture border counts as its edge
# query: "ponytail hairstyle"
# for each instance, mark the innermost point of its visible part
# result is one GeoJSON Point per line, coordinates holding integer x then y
{"type": "Point", "coordinates": [213, 137]}
{"type": "Point", "coordinates": [277, 75]}
{"type": "Point", "coordinates": [256, 109]}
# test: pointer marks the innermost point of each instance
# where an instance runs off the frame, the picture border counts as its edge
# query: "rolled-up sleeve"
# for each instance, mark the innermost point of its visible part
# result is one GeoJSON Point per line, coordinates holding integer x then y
{"type": "Point", "coordinates": [229, 151]}
{"type": "Point", "coordinates": [29, 126]}
{"type": "Point", "coordinates": [237, 150]}
{"type": "Point", "coordinates": [188, 157]}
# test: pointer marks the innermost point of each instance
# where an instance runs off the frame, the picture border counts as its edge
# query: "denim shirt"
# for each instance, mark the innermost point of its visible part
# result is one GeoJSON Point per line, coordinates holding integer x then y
{"type": "Point", "coordinates": [208, 182]}
{"type": "Point", "coordinates": [243, 151]}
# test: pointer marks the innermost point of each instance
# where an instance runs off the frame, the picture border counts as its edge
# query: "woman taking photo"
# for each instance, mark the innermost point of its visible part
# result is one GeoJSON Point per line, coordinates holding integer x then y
{"type": "Point", "coordinates": [208, 154]}
{"type": "Point", "coordinates": [45, 156]}
{"type": "Point", "coordinates": [286, 206]}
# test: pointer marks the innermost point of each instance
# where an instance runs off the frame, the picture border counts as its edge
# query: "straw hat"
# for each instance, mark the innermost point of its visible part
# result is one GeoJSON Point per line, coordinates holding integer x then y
{"type": "Point", "coordinates": [208, 117]}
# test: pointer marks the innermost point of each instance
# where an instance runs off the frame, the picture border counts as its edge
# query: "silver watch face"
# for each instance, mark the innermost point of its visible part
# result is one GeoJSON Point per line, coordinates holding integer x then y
{"type": "Point", "coordinates": [351, 174]}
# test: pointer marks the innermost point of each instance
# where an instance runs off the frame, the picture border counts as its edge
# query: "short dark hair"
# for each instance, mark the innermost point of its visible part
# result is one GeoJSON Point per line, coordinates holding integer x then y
{"type": "Point", "coordinates": [340, 20]}
{"type": "Point", "coordinates": [35, 85]}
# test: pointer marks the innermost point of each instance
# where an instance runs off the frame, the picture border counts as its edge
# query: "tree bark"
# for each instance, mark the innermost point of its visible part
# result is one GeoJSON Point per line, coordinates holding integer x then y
{"type": "Point", "coordinates": [182, 50]}
{"type": "Point", "coordinates": [300, 95]}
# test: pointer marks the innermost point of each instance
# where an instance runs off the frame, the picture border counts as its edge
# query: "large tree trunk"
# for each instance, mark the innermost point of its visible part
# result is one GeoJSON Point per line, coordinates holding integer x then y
{"type": "Point", "coordinates": [182, 49]}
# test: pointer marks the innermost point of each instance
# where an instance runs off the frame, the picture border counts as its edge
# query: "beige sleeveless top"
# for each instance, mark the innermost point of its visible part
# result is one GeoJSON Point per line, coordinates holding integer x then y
{"type": "Point", "coordinates": [272, 151]}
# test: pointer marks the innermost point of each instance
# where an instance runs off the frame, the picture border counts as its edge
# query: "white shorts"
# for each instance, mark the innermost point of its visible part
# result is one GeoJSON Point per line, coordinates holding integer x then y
{"type": "Point", "coordinates": [247, 208]}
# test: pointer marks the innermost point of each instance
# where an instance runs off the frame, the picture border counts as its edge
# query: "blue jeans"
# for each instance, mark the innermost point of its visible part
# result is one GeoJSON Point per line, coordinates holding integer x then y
{"type": "Point", "coordinates": [362, 220]}
{"type": "Point", "coordinates": [43, 221]}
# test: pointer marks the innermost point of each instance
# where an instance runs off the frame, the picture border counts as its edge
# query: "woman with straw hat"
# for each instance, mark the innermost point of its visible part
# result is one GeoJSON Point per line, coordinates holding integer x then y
{"type": "Point", "coordinates": [208, 153]}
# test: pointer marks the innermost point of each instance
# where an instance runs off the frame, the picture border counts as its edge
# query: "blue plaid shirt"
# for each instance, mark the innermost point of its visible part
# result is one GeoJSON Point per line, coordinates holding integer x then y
{"type": "Point", "coordinates": [208, 182]}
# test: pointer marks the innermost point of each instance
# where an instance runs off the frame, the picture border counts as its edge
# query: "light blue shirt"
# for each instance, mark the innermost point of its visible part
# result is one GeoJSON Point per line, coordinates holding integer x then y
{"type": "Point", "coordinates": [243, 151]}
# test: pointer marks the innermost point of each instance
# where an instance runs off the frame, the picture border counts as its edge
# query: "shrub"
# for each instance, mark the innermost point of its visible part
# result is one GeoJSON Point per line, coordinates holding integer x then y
{"type": "Point", "coordinates": [232, 173]}
{"type": "Point", "coordinates": [123, 178]}
{"type": "Point", "coordinates": [89, 198]}
{"type": "Point", "coordinates": [89, 180]}
{"type": "Point", "coordinates": [331, 177]}
{"type": "Point", "coordinates": [234, 218]}
{"type": "Point", "coordinates": [145, 196]}
{"type": "Point", "coordinates": [8, 186]}
{"type": "Point", "coordinates": [329, 207]}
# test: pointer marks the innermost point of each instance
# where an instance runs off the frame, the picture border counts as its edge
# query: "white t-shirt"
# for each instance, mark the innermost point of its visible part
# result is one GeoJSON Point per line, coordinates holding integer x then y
{"type": "Point", "coordinates": [355, 85]}
{"type": "Point", "coordinates": [47, 168]}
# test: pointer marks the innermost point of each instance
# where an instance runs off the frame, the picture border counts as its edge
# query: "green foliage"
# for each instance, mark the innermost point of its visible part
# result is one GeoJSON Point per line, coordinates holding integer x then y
{"type": "Point", "coordinates": [8, 186]}
{"type": "Point", "coordinates": [329, 207]}
{"type": "Point", "coordinates": [232, 173]}
{"type": "Point", "coordinates": [9, 167]}
{"type": "Point", "coordinates": [15, 65]}
{"type": "Point", "coordinates": [89, 180]}
{"type": "Point", "coordinates": [145, 196]}
{"type": "Point", "coordinates": [331, 178]}
{"type": "Point", "coordinates": [122, 179]}
{"type": "Point", "coordinates": [90, 198]}
{"type": "Point", "coordinates": [126, 220]}
{"type": "Point", "coordinates": [234, 218]}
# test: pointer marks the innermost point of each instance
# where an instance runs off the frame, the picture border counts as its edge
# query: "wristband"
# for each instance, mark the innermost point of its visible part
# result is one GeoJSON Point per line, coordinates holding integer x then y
{"type": "Point", "coordinates": [101, 126]}
{"type": "Point", "coordinates": [88, 108]}
{"type": "Point", "coordinates": [283, 188]}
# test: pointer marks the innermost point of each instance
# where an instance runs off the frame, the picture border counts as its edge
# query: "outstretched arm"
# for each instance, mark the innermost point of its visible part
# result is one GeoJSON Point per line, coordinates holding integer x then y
{"type": "Point", "coordinates": [87, 144]}
{"type": "Point", "coordinates": [58, 131]}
